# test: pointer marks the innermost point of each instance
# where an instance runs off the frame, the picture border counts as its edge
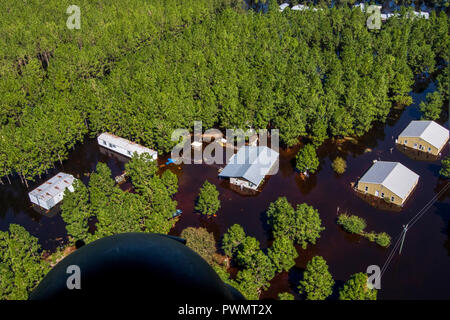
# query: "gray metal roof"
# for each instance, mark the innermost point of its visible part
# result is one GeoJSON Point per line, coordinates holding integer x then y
{"type": "Point", "coordinates": [53, 186]}
{"type": "Point", "coordinates": [430, 131]}
{"type": "Point", "coordinates": [393, 176]}
{"type": "Point", "coordinates": [250, 163]}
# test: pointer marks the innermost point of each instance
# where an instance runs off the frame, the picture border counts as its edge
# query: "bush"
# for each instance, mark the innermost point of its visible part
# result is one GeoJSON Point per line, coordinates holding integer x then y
{"type": "Point", "coordinates": [383, 239]}
{"type": "Point", "coordinates": [372, 236]}
{"type": "Point", "coordinates": [352, 224]}
{"type": "Point", "coordinates": [445, 170]}
{"type": "Point", "coordinates": [339, 165]}
{"type": "Point", "coordinates": [201, 241]}
{"type": "Point", "coordinates": [285, 296]}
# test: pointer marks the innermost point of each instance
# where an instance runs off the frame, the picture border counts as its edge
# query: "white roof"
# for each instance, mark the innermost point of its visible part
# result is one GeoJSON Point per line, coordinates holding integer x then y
{"type": "Point", "coordinates": [53, 186]}
{"type": "Point", "coordinates": [361, 5]}
{"type": "Point", "coordinates": [429, 131]}
{"type": "Point", "coordinates": [299, 7]}
{"type": "Point", "coordinates": [126, 144]}
{"type": "Point", "coordinates": [422, 14]}
{"type": "Point", "coordinates": [252, 163]}
{"type": "Point", "coordinates": [391, 175]}
{"type": "Point", "coordinates": [284, 6]}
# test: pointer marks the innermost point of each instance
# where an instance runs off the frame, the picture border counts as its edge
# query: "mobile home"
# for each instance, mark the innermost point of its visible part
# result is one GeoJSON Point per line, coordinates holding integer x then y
{"type": "Point", "coordinates": [51, 192]}
{"type": "Point", "coordinates": [123, 146]}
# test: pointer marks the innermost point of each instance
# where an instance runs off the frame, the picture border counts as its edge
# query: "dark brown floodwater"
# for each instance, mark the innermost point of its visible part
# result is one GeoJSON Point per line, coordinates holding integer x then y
{"type": "Point", "coordinates": [421, 272]}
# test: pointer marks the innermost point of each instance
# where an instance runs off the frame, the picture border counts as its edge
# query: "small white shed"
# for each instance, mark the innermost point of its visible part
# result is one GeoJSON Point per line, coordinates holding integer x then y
{"type": "Point", "coordinates": [284, 6]}
{"type": "Point", "coordinates": [123, 146]}
{"type": "Point", "coordinates": [51, 192]}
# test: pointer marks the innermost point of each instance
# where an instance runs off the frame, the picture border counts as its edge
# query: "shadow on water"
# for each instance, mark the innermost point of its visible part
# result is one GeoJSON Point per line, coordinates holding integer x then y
{"type": "Point", "coordinates": [421, 272]}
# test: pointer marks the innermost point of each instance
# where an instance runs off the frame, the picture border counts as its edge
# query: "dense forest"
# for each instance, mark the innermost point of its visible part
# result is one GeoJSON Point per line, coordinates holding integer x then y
{"type": "Point", "coordinates": [141, 69]}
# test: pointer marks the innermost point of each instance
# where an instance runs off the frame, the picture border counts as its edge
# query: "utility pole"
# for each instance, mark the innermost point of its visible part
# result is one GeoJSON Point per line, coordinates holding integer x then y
{"type": "Point", "coordinates": [405, 228]}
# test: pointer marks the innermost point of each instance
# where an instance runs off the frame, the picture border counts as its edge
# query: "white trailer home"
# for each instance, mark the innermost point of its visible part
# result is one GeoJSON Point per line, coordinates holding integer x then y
{"type": "Point", "coordinates": [51, 192]}
{"type": "Point", "coordinates": [123, 146]}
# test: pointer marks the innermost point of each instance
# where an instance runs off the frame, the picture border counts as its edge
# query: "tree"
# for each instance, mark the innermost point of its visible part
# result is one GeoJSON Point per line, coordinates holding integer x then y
{"type": "Point", "coordinates": [141, 169]}
{"type": "Point", "coordinates": [124, 213]}
{"type": "Point", "coordinates": [208, 199]}
{"type": "Point", "coordinates": [352, 223]}
{"type": "Point", "coordinates": [201, 241]}
{"type": "Point", "coordinates": [101, 188]}
{"type": "Point", "coordinates": [170, 180]}
{"type": "Point", "coordinates": [257, 274]}
{"type": "Point", "coordinates": [302, 225]}
{"type": "Point", "coordinates": [445, 170]}
{"type": "Point", "coordinates": [344, 78]}
{"type": "Point", "coordinates": [21, 265]}
{"type": "Point", "coordinates": [246, 251]}
{"type": "Point", "coordinates": [383, 239]}
{"type": "Point", "coordinates": [307, 160]}
{"type": "Point", "coordinates": [317, 283]}
{"type": "Point", "coordinates": [76, 211]}
{"type": "Point", "coordinates": [356, 289]}
{"type": "Point", "coordinates": [285, 296]}
{"type": "Point", "coordinates": [432, 108]}
{"type": "Point", "coordinates": [283, 254]}
{"type": "Point", "coordinates": [232, 239]}
{"type": "Point", "coordinates": [339, 165]}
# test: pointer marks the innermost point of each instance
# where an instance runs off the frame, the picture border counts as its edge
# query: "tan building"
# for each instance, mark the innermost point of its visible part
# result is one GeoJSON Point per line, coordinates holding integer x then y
{"type": "Point", "coordinates": [387, 180]}
{"type": "Point", "coordinates": [425, 136]}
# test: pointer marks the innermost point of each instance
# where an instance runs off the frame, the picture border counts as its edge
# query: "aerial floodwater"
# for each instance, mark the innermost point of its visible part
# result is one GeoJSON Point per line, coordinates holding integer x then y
{"type": "Point", "coordinates": [420, 272]}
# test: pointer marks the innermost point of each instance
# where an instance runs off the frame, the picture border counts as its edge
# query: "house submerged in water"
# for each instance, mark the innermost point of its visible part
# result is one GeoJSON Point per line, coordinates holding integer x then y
{"type": "Point", "coordinates": [51, 192]}
{"type": "Point", "coordinates": [425, 136]}
{"type": "Point", "coordinates": [387, 180]}
{"type": "Point", "coordinates": [123, 146]}
{"type": "Point", "coordinates": [249, 166]}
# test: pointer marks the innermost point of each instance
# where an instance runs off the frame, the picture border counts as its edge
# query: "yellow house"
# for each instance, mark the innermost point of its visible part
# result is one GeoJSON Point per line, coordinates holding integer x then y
{"type": "Point", "coordinates": [425, 136]}
{"type": "Point", "coordinates": [387, 180]}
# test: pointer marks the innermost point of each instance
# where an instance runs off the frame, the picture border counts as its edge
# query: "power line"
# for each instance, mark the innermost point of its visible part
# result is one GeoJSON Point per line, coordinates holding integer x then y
{"type": "Point", "coordinates": [400, 240]}
{"type": "Point", "coordinates": [391, 255]}
{"type": "Point", "coordinates": [427, 206]}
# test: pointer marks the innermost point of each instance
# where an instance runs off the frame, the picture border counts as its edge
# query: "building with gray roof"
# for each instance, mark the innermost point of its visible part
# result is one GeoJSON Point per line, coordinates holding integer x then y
{"type": "Point", "coordinates": [51, 192]}
{"type": "Point", "coordinates": [391, 181]}
{"type": "Point", "coordinates": [248, 167]}
{"type": "Point", "coordinates": [425, 136]}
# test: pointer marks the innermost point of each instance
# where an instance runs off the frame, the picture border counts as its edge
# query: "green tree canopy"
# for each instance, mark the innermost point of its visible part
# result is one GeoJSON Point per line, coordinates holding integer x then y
{"type": "Point", "coordinates": [76, 211]}
{"type": "Point", "coordinates": [208, 199]}
{"type": "Point", "coordinates": [232, 239]}
{"type": "Point", "coordinates": [21, 265]}
{"type": "Point", "coordinates": [285, 296]}
{"type": "Point", "coordinates": [352, 223]}
{"type": "Point", "coordinates": [339, 165]}
{"type": "Point", "coordinates": [302, 225]}
{"type": "Point", "coordinates": [317, 283]}
{"type": "Point", "coordinates": [445, 170]}
{"type": "Point", "coordinates": [307, 160]}
{"type": "Point", "coordinates": [201, 241]}
{"type": "Point", "coordinates": [282, 253]}
{"type": "Point", "coordinates": [356, 289]}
